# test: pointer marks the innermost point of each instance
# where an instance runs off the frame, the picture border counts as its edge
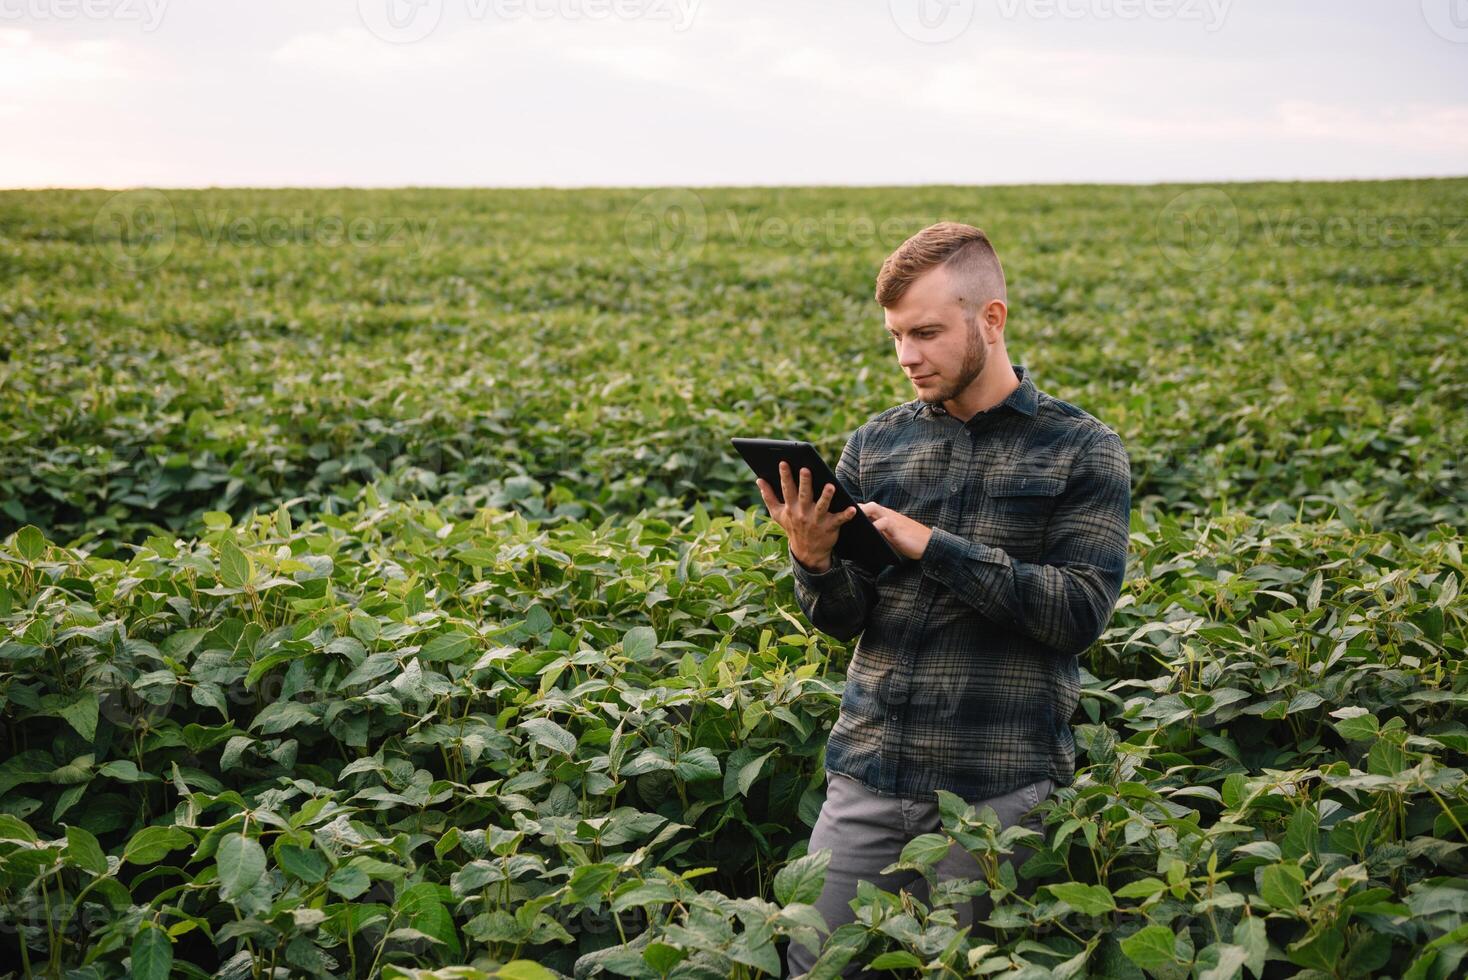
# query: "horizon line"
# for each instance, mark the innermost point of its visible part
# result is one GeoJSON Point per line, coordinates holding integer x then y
{"type": "Point", "coordinates": [721, 186]}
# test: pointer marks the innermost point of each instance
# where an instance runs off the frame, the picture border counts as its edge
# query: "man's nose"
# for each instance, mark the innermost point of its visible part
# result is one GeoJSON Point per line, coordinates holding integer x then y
{"type": "Point", "coordinates": [907, 354]}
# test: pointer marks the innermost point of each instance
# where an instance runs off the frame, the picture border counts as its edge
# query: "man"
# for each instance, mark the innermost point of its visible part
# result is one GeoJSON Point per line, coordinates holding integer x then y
{"type": "Point", "coordinates": [1010, 509]}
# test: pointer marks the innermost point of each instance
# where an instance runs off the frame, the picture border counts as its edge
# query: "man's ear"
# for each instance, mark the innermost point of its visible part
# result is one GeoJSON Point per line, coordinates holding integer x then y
{"type": "Point", "coordinates": [995, 315]}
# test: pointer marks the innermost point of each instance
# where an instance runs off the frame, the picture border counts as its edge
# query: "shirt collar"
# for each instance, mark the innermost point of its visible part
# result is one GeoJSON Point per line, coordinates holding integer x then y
{"type": "Point", "coordinates": [1025, 399]}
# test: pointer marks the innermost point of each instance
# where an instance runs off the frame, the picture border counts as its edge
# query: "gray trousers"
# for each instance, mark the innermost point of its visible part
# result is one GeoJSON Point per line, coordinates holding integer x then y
{"type": "Point", "coordinates": [866, 831]}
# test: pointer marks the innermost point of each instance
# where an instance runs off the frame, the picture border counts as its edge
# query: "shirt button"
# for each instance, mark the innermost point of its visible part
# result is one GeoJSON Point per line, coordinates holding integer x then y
{"type": "Point", "coordinates": [893, 716]}
{"type": "Point", "coordinates": [953, 488]}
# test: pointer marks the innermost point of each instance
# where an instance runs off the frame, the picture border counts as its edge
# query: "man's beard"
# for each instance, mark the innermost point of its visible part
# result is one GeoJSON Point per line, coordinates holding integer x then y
{"type": "Point", "coordinates": [975, 356]}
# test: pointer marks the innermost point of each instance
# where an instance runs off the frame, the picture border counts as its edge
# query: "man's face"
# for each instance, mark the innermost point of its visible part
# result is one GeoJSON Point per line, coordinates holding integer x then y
{"type": "Point", "coordinates": [937, 348]}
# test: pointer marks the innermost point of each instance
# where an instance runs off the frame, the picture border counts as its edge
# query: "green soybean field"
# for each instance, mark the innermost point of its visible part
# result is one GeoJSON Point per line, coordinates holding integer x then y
{"type": "Point", "coordinates": [380, 594]}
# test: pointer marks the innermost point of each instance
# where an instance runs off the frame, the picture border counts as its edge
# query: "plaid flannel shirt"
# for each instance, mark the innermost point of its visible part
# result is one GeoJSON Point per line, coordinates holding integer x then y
{"type": "Point", "coordinates": [965, 677]}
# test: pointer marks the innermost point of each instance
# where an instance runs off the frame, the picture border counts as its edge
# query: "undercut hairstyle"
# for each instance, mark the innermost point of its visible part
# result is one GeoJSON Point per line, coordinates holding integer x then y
{"type": "Point", "coordinates": [963, 249]}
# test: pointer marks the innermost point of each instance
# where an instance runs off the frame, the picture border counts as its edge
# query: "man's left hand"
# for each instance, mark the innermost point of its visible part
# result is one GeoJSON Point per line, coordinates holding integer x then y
{"type": "Point", "coordinates": [906, 536]}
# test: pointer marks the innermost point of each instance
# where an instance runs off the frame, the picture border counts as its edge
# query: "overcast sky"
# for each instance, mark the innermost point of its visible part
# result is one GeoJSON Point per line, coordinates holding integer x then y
{"type": "Point", "coordinates": [121, 93]}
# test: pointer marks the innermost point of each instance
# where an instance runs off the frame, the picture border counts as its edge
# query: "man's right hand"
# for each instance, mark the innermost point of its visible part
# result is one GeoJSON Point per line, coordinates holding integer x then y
{"type": "Point", "coordinates": [807, 521]}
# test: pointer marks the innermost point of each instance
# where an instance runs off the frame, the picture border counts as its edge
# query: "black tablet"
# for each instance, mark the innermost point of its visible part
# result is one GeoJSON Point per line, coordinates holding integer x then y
{"type": "Point", "coordinates": [858, 539]}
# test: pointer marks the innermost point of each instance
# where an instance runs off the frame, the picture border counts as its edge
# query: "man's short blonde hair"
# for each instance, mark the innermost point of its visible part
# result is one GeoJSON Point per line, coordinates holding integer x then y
{"type": "Point", "coordinates": [963, 249]}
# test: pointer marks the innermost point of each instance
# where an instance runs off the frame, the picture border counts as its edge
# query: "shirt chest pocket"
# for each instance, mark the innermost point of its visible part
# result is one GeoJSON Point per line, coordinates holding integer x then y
{"type": "Point", "coordinates": [1019, 506]}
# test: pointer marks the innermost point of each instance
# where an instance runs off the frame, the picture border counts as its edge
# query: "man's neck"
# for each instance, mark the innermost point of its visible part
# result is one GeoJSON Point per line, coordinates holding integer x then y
{"type": "Point", "coordinates": [996, 383]}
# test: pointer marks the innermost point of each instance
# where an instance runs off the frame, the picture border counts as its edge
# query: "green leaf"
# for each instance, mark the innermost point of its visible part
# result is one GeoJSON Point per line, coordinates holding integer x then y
{"type": "Point", "coordinates": [925, 850]}
{"type": "Point", "coordinates": [640, 643]}
{"type": "Point", "coordinates": [241, 862]}
{"type": "Point", "coordinates": [1304, 701]}
{"type": "Point", "coordinates": [80, 711]}
{"type": "Point", "coordinates": [364, 627]}
{"type": "Point", "coordinates": [235, 567]}
{"type": "Point", "coordinates": [1141, 888]}
{"type": "Point", "coordinates": [1085, 899]}
{"type": "Point", "coordinates": [1250, 934]}
{"type": "Point", "coordinates": [1221, 961]}
{"type": "Point", "coordinates": [307, 865]}
{"type": "Point", "coordinates": [426, 913]}
{"type": "Point", "coordinates": [591, 880]}
{"type": "Point", "coordinates": [30, 542]}
{"type": "Point", "coordinates": [697, 764]}
{"type": "Point", "coordinates": [1150, 947]}
{"type": "Point", "coordinates": [802, 879]}
{"type": "Point", "coordinates": [897, 960]}
{"type": "Point", "coordinates": [152, 844]}
{"type": "Point", "coordinates": [349, 881]}
{"type": "Point", "coordinates": [662, 957]}
{"type": "Point", "coordinates": [84, 851]}
{"type": "Point", "coordinates": [281, 716]}
{"type": "Point", "coordinates": [1282, 886]}
{"type": "Point", "coordinates": [523, 970]}
{"type": "Point", "coordinates": [1356, 724]}
{"type": "Point", "coordinates": [152, 954]}
{"type": "Point", "coordinates": [1321, 952]}
{"type": "Point", "coordinates": [30, 766]}
{"type": "Point", "coordinates": [543, 731]}
{"type": "Point", "coordinates": [448, 646]}
{"type": "Point", "coordinates": [1385, 758]}
{"type": "Point", "coordinates": [14, 828]}
{"type": "Point", "coordinates": [749, 772]}
{"type": "Point", "coordinates": [372, 667]}
{"type": "Point", "coordinates": [181, 644]}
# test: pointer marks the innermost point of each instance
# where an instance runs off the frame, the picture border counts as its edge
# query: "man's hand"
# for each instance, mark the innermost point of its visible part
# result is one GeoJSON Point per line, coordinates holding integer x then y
{"type": "Point", "coordinates": [809, 523]}
{"type": "Point", "coordinates": [906, 536]}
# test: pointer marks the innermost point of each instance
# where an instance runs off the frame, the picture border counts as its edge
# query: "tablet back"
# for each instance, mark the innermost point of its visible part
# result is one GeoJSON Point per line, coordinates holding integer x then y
{"type": "Point", "coordinates": [858, 540]}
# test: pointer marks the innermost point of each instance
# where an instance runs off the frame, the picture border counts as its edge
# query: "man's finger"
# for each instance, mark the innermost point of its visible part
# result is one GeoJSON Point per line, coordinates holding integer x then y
{"type": "Point", "coordinates": [846, 515]}
{"type": "Point", "coordinates": [768, 495]}
{"type": "Point", "coordinates": [787, 485]}
{"type": "Point", "coordinates": [823, 502]}
{"type": "Point", "coordinates": [805, 492]}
